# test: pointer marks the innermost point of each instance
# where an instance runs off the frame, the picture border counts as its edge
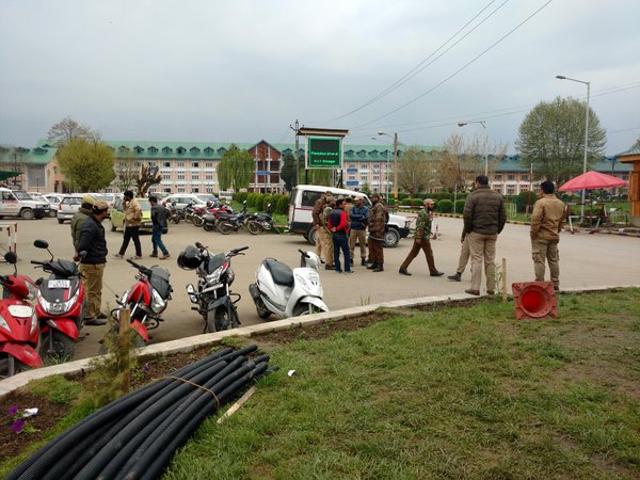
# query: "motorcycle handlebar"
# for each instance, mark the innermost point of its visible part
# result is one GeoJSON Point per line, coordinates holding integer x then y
{"type": "Point", "coordinates": [200, 246]}
{"type": "Point", "coordinates": [35, 262]}
{"type": "Point", "coordinates": [303, 253]}
{"type": "Point", "coordinates": [238, 250]}
{"type": "Point", "coordinates": [141, 268]}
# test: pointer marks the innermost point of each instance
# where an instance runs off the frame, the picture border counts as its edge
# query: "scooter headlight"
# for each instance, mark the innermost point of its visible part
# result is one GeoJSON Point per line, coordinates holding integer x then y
{"type": "Point", "coordinates": [58, 308]}
{"type": "Point", "coordinates": [3, 323]}
{"type": "Point", "coordinates": [157, 303]}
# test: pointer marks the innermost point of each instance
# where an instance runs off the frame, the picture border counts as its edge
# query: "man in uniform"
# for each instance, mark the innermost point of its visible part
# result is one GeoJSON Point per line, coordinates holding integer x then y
{"type": "Point", "coordinates": [463, 259]}
{"type": "Point", "coordinates": [421, 240]}
{"type": "Point", "coordinates": [546, 224]}
{"type": "Point", "coordinates": [84, 212]}
{"type": "Point", "coordinates": [377, 222]}
{"type": "Point", "coordinates": [326, 236]}
{"type": "Point", "coordinates": [318, 206]}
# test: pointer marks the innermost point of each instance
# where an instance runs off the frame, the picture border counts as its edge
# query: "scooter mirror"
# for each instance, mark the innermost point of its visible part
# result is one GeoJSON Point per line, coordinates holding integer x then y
{"type": "Point", "coordinates": [11, 258]}
{"type": "Point", "coordinates": [41, 244]}
{"type": "Point", "coordinates": [244, 203]}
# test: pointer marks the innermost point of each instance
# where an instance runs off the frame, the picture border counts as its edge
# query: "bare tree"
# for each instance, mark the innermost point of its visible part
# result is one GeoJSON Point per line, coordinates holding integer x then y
{"type": "Point", "coordinates": [127, 172]}
{"type": "Point", "coordinates": [416, 171]}
{"type": "Point", "coordinates": [67, 129]}
{"type": "Point", "coordinates": [149, 175]}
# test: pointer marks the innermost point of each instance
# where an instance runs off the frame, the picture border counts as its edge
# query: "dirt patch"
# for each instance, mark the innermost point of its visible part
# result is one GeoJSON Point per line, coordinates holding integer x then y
{"type": "Point", "coordinates": [49, 413]}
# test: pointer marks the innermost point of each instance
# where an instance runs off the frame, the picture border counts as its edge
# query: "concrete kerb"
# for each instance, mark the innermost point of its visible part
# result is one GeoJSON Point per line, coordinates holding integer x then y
{"type": "Point", "coordinates": [188, 344]}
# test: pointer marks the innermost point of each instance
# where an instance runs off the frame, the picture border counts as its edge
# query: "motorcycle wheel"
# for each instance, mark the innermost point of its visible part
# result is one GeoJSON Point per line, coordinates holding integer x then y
{"type": "Point", "coordinates": [305, 309]}
{"type": "Point", "coordinates": [224, 228]}
{"type": "Point", "coordinates": [198, 221]}
{"type": "Point", "coordinates": [209, 227]}
{"type": "Point", "coordinates": [9, 366]}
{"type": "Point", "coordinates": [254, 228]}
{"type": "Point", "coordinates": [175, 220]}
{"type": "Point", "coordinates": [221, 320]}
{"type": "Point", "coordinates": [57, 347]}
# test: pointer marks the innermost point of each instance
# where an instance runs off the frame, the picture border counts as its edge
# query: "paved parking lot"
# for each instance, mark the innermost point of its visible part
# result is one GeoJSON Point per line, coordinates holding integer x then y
{"type": "Point", "coordinates": [585, 260]}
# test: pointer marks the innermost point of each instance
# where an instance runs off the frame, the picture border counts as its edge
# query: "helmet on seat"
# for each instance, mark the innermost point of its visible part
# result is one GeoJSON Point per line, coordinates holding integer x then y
{"type": "Point", "coordinates": [189, 258]}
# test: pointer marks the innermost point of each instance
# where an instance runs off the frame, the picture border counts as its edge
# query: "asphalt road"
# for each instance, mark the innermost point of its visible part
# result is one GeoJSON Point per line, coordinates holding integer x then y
{"type": "Point", "coordinates": [586, 260]}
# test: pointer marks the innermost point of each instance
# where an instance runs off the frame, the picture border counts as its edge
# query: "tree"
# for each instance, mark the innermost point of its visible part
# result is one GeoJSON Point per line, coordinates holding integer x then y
{"type": "Point", "coordinates": [462, 160]}
{"type": "Point", "coordinates": [288, 172]}
{"type": "Point", "coordinates": [551, 139]}
{"type": "Point", "coordinates": [416, 171]}
{"type": "Point", "coordinates": [87, 165]}
{"type": "Point", "coordinates": [149, 175]}
{"type": "Point", "coordinates": [236, 169]}
{"type": "Point", "coordinates": [67, 129]}
{"type": "Point", "coordinates": [127, 172]}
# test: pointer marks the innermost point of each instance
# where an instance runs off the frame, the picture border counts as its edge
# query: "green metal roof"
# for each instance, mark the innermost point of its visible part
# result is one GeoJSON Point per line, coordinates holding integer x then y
{"type": "Point", "coordinates": [38, 155]}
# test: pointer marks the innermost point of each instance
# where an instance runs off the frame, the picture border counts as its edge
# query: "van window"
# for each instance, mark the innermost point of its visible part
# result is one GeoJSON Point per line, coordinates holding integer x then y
{"type": "Point", "coordinates": [309, 198]}
{"type": "Point", "coordinates": [8, 197]}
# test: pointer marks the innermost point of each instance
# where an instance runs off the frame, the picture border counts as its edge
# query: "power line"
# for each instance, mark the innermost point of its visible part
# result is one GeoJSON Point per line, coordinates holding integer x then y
{"type": "Point", "coordinates": [420, 67]}
{"type": "Point", "coordinates": [473, 60]}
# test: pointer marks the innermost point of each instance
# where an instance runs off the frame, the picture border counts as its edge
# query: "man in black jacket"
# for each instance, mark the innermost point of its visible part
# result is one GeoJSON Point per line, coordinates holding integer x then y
{"type": "Point", "coordinates": [92, 247]}
{"type": "Point", "coordinates": [159, 221]}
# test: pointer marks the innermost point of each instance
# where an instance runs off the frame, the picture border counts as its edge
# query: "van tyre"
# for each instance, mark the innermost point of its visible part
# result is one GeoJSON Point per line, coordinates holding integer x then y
{"type": "Point", "coordinates": [391, 238]}
{"type": "Point", "coordinates": [60, 221]}
{"type": "Point", "coordinates": [311, 236]}
{"type": "Point", "coordinates": [26, 214]}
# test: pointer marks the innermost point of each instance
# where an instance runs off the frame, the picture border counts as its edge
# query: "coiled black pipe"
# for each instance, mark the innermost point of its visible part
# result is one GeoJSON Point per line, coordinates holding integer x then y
{"type": "Point", "coordinates": [36, 466]}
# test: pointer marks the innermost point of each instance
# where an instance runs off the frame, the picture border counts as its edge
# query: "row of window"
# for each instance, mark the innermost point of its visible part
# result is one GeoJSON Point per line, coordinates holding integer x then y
{"type": "Point", "coordinates": [194, 177]}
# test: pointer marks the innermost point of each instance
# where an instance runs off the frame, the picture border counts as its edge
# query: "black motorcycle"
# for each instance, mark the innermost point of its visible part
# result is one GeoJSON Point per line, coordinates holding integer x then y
{"type": "Point", "coordinates": [261, 221]}
{"type": "Point", "coordinates": [228, 223]}
{"type": "Point", "coordinates": [214, 300]}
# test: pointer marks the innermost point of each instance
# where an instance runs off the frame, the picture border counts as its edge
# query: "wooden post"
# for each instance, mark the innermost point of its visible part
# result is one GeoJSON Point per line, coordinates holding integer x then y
{"type": "Point", "coordinates": [504, 279]}
{"type": "Point", "coordinates": [123, 344]}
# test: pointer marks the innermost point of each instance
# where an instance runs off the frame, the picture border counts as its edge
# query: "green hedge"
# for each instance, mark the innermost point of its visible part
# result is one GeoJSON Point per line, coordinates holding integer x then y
{"type": "Point", "coordinates": [459, 206]}
{"type": "Point", "coordinates": [524, 199]}
{"type": "Point", "coordinates": [444, 206]}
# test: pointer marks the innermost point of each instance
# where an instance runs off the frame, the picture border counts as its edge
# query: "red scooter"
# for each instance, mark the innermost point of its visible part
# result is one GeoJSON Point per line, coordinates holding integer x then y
{"type": "Point", "coordinates": [146, 300]}
{"type": "Point", "coordinates": [19, 332]}
{"type": "Point", "coordinates": [60, 305]}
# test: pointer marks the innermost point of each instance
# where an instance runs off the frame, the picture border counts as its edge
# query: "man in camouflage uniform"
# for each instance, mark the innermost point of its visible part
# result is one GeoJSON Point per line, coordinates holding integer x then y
{"type": "Point", "coordinates": [376, 222]}
{"type": "Point", "coordinates": [316, 213]}
{"type": "Point", "coordinates": [421, 240]}
{"type": "Point", "coordinates": [326, 237]}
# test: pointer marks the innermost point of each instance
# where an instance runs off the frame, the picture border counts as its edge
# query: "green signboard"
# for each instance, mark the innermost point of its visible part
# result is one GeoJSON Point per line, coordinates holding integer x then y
{"type": "Point", "coordinates": [324, 152]}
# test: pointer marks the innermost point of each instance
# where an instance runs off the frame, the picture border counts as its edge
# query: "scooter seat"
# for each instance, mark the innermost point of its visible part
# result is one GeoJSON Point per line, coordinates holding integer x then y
{"type": "Point", "coordinates": [281, 273]}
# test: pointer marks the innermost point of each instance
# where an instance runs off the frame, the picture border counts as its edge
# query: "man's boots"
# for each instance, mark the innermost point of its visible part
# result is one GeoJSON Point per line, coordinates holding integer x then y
{"type": "Point", "coordinates": [373, 266]}
{"type": "Point", "coordinates": [379, 268]}
{"type": "Point", "coordinates": [363, 262]}
{"type": "Point", "coordinates": [455, 277]}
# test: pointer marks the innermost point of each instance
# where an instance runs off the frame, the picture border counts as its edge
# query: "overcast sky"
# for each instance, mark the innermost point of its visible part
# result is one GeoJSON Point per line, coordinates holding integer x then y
{"type": "Point", "coordinates": [210, 70]}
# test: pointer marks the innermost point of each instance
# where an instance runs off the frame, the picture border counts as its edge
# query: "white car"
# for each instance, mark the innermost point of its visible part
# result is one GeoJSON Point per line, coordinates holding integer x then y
{"type": "Point", "coordinates": [68, 207]}
{"type": "Point", "coordinates": [181, 200]}
{"type": "Point", "coordinates": [20, 204]}
{"type": "Point", "coordinates": [40, 198]}
{"type": "Point", "coordinates": [54, 199]}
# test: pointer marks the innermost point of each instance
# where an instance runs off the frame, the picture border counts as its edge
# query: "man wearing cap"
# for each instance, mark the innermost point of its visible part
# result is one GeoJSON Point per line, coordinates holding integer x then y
{"type": "Point", "coordinates": [421, 240]}
{"type": "Point", "coordinates": [377, 220]}
{"type": "Point", "coordinates": [79, 217]}
{"type": "Point", "coordinates": [93, 245]}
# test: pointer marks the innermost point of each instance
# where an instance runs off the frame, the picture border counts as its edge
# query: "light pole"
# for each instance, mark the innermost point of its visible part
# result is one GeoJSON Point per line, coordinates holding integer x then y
{"type": "Point", "coordinates": [486, 154]}
{"type": "Point", "coordinates": [586, 135]}
{"type": "Point", "coordinates": [386, 174]}
{"type": "Point", "coordinates": [395, 162]}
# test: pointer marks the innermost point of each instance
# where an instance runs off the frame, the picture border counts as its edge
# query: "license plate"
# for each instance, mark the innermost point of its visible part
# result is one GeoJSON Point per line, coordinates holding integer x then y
{"type": "Point", "coordinates": [59, 283]}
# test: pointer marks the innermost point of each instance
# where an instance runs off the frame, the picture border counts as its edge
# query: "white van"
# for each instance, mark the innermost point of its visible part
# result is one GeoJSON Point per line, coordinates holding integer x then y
{"type": "Point", "coordinates": [20, 204]}
{"type": "Point", "coordinates": [301, 202]}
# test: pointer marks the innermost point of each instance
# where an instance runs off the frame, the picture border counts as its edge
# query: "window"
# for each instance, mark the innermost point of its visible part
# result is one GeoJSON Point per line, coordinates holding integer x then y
{"type": "Point", "coordinates": [309, 198]}
{"type": "Point", "coordinates": [195, 190]}
{"type": "Point", "coordinates": [364, 178]}
{"type": "Point", "coordinates": [180, 189]}
{"type": "Point", "coordinates": [498, 177]}
{"type": "Point", "coordinates": [209, 189]}
{"type": "Point", "coordinates": [195, 177]}
{"type": "Point", "coordinates": [511, 190]}
{"type": "Point", "coordinates": [167, 190]}
{"type": "Point", "coordinates": [511, 177]}
{"type": "Point", "coordinates": [352, 177]}
{"type": "Point", "coordinates": [166, 177]}
{"type": "Point", "coordinates": [208, 177]}
{"type": "Point", "coordinates": [525, 178]}
{"type": "Point", "coordinates": [181, 177]}
{"type": "Point", "coordinates": [181, 164]}
{"type": "Point", "coordinates": [208, 164]}
{"type": "Point", "coordinates": [196, 164]}
{"type": "Point", "coordinates": [8, 196]}
{"type": "Point", "coordinates": [166, 164]}
{"type": "Point", "coordinates": [376, 177]}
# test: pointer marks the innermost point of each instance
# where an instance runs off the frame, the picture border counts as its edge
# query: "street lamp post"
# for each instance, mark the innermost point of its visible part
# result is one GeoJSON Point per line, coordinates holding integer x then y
{"type": "Point", "coordinates": [386, 174]}
{"type": "Point", "coordinates": [486, 154]}
{"type": "Point", "coordinates": [586, 135]}
{"type": "Point", "coordinates": [395, 162]}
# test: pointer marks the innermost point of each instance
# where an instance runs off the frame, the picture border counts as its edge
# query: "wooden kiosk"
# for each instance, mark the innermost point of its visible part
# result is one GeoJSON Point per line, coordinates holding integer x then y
{"type": "Point", "coordinates": [633, 156]}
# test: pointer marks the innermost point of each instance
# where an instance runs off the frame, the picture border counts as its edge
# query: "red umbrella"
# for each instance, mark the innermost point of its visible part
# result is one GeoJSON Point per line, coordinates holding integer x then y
{"type": "Point", "coordinates": [592, 181]}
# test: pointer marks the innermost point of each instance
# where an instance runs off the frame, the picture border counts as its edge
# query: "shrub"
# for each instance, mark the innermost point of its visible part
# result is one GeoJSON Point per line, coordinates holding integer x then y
{"type": "Point", "coordinates": [524, 199]}
{"type": "Point", "coordinates": [444, 206]}
{"type": "Point", "coordinates": [281, 204]}
{"type": "Point", "coordinates": [459, 206]}
{"type": "Point", "coordinates": [240, 196]}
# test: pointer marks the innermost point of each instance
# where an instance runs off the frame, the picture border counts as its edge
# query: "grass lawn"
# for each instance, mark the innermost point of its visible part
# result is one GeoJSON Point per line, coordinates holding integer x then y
{"type": "Point", "coordinates": [457, 393]}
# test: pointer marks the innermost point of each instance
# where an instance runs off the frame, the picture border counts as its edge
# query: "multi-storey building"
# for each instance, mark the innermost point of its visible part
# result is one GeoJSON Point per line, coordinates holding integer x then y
{"type": "Point", "coordinates": [30, 165]}
{"type": "Point", "coordinates": [188, 167]}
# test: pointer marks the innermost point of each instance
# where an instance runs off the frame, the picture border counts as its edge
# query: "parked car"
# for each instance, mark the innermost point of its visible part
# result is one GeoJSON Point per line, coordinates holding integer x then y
{"type": "Point", "coordinates": [207, 197]}
{"type": "Point", "coordinates": [54, 199]}
{"type": "Point", "coordinates": [117, 214]}
{"type": "Point", "coordinates": [110, 198]}
{"type": "Point", "coordinates": [183, 199]}
{"type": "Point", "coordinates": [20, 204]}
{"type": "Point", "coordinates": [68, 207]}
{"type": "Point", "coordinates": [40, 198]}
{"type": "Point", "coordinates": [301, 202]}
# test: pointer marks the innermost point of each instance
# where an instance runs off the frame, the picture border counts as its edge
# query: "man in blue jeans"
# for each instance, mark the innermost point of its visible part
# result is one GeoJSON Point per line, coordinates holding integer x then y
{"type": "Point", "coordinates": [159, 221]}
{"type": "Point", "coordinates": [339, 227]}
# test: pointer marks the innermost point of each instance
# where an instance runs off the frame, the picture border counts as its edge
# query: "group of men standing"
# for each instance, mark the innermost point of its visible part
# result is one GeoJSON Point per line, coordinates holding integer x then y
{"type": "Point", "coordinates": [341, 223]}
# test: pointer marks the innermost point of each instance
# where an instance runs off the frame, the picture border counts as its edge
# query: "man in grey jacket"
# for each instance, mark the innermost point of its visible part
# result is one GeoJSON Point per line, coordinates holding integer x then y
{"type": "Point", "coordinates": [484, 218]}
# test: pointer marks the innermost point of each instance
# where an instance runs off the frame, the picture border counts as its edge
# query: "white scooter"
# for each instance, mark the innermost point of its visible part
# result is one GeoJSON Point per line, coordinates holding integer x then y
{"type": "Point", "coordinates": [288, 293]}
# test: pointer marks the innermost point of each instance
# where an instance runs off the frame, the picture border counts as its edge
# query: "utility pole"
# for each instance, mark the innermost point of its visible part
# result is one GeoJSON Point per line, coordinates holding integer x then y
{"type": "Point", "coordinates": [395, 167]}
{"type": "Point", "coordinates": [295, 127]}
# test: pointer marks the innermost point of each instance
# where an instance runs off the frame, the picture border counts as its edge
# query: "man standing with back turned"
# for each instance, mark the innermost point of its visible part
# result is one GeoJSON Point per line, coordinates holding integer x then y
{"type": "Point", "coordinates": [546, 225]}
{"type": "Point", "coordinates": [484, 218]}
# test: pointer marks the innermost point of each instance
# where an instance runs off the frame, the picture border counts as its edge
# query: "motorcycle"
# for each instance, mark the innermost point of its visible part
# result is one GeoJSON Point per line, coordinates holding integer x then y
{"type": "Point", "coordinates": [213, 215]}
{"type": "Point", "coordinates": [19, 332]}
{"type": "Point", "coordinates": [213, 297]}
{"type": "Point", "coordinates": [288, 293]}
{"type": "Point", "coordinates": [228, 222]}
{"type": "Point", "coordinates": [194, 215]}
{"type": "Point", "coordinates": [146, 300]}
{"type": "Point", "coordinates": [175, 214]}
{"type": "Point", "coordinates": [60, 305]}
{"type": "Point", "coordinates": [261, 221]}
